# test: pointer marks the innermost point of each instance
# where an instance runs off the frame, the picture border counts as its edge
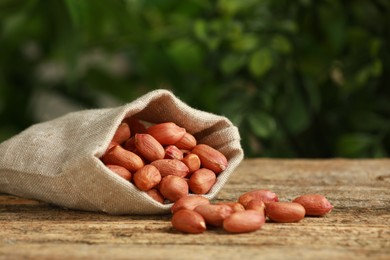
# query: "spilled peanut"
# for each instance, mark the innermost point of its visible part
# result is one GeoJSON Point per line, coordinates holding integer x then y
{"type": "Point", "coordinates": [188, 221]}
{"type": "Point", "coordinates": [244, 221]}
{"type": "Point", "coordinates": [260, 206]}
{"type": "Point", "coordinates": [285, 212]}
{"type": "Point", "coordinates": [314, 204]}
{"type": "Point", "coordinates": [214, 214]}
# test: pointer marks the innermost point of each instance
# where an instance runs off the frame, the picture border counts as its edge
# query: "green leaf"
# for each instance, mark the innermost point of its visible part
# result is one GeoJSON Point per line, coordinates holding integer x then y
{"type": "Point", "coordinates": [333, 22]}
{"type": "Point", "coordinates": [261, 62]}
{"type": "Point", "coordinates": [362, 77]}
{"type": "Point", "coordinates": [213, 43]}
{"type": "Point", "coordinates": [368, 121]}
{"type": "Point", "coordinates": [313, 94]}
{"type": "Point", "coordinates": [245, 43]}
{"type": "Point", "coordinates": [77, 10]}
{"type": "Point", "coordinates": [262, 124]}
{"type": "Point", "coordinates": [354, 144]}
{"type": "Point", "coordinates": [375, 47]}
{"type": "Point", "coordinates": [294, 113]}
{"type": "Point", "coordinates": [229, 7]}
{"type": "Point", "coordinates": [209, 33]}
{"type": "Point", "coordinates": [232, 63]}
{"type": "Point", "coordinates": [379, 151]}
{"type": "Point", "coordinates": [185, 54]}
{"type": "Point", "coordinates": [281, 44]}
{"type": "Point", "coordinates": [376, 68]}
{"type": "Point", "coordinates": [200, 29]}
{"type": "Point", "coordinates": [289, 26]}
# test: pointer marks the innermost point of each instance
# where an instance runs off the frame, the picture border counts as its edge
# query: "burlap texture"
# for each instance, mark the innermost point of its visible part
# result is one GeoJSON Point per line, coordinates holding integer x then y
{"type": "Point", "coordinates": [58, 161]}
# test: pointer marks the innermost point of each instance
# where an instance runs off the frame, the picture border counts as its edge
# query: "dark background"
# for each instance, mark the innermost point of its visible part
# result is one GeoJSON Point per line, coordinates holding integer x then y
{"type": "Point", "coordinates": [299, 78]}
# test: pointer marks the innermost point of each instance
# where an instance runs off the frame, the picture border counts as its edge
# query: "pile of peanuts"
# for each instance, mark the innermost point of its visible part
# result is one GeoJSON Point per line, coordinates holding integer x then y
{"type": "Point", "coordinates": [192, 214]}
{"type": "Point", "coordinates": [163, 160]}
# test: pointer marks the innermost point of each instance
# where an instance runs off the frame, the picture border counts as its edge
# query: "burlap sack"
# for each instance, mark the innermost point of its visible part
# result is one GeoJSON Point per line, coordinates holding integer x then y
{"type": "Point", "coordinates": [58, 161]}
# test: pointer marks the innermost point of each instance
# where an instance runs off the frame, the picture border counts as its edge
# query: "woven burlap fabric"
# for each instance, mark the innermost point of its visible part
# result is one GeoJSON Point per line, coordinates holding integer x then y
{"type": "Point", "coordinates": [58, 161]}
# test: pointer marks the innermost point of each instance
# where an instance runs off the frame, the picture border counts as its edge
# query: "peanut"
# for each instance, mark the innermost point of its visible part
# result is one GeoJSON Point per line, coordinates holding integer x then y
{"type": "Point", "coordinates": [263, 195]}
{"type": "Point", "coordinates": [147, 177]}
{"type": "Point", "coordinates": [130, 145]}
{"type": "Point", "coordinates": [166, 133]}
{"type": "Point", "coordinates": [156, 195]}
{"type": "Point", "coordinates": [188, 221]}
{"type": "Point", "coordinates": [192, 161]}
{"type": "Point", "coordinates": [234, 205]}
{"type": "Point", "coordinates": [285, 212]}
{"type": "Point", "coordinates": [172, 152]}
{"type": "Point", "coordinates": [171, 167]}
{"type": "Point", "coordinates": [173, 187]}
{"type": "Point", "coordinates": [187, 142]}
{"type": "Point", "coordinates": [210, 158]}
{"type": "Point", "coordinates": [121, 171]}
{"type": "Point", "coordinates": [149, 147]}
{"type": "Point", "coordinates": [119, 156]}
{"type": "Point", "coordinates": [189, 202]}
{"type": "Point", "coordinates": [135, 125]}
{"type": "Point", "coordinates": [111, 145]}
{"type": "Point", "coordinates": [244, 221]}
{"type": "Point", "coordinates": [314, 204]}
{"type": "Point", "coordinates": [122, 133]}
{"type": "Point", "coordinates": [256, 205]}
{"type": "Point", "coordinates": [202, 181]}
{"type": "Point", "coordinates": [214, 214]}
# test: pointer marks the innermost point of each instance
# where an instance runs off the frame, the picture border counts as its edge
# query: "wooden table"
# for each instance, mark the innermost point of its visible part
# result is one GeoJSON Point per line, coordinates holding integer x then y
{"type": "Point", "coordinates": [357, 228]}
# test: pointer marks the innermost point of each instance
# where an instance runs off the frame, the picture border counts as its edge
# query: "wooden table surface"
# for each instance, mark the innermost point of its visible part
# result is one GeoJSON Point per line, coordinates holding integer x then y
{"type": "Point", "coordinates": [357, 228]}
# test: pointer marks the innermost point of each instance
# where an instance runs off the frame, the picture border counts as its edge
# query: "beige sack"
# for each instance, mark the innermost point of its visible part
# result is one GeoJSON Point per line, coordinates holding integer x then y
{"type": "Point", "coordinates": [58, 161]}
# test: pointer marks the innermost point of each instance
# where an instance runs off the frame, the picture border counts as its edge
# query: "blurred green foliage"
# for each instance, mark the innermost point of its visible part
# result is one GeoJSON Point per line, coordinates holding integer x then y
{"type": "Point", "coordinates": [299, 78]}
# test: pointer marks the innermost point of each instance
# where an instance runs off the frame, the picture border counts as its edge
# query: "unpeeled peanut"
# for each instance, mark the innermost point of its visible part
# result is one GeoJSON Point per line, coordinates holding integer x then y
{"type": "Point", "coordinates": [119, 156]}
{"type": "Point", "coordinates": [171, 167]}
{"type": "Point", "coordinates": [314, 204]}
{"type": "Point", "coordinates": [189, 202]}
{"type": "Point", "coordinates": [173, 187]}
{"type": "Point", "coordinates": [234, 205]}
{"type": "Point", "coordinates": [256, 205]}
{"type": "Point", "coordinates": [188, 221]}
{"type": "Point", "coordinates": [121, 171]}
{"type": "Point", "coordinates": [130, 145]}
{"type": "Point", "coordinates": [172, 152]}
{"type": "Point", "coordinates": [135, 125]}
{"type": "Point", "coordinates": [156, 195]}
{"type": "Point", "coordinates": [263, 195]}
{"type": "Point", "coordinates": [285, 212]}
{"type": "Point", "coordinates": [214, 214]}
{"type": "Point", "coordinates": [147, 177]}
{"type": "Point", "coordinates": [210, 158]}
{"type": "Point", "coordinates": [244, 221]}
{"type": "Point", "coordinates": [192, 161]}
{"type": "Point", "coordinates": [149, 147]}
{"type": "Point", "coordinates": [202, 180]}
{"type": "Point", "coordinates": [111, 145]}
{"type": "Point", "coordinates": [166, 133]}
{"type": "Point", "coordinates": [187, 142]}
{"type": "Point", "coordinates": [122, 133]}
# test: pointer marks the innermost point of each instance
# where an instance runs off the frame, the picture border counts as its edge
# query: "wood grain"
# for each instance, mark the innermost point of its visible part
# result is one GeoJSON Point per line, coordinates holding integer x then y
{"type": "Point", "coordinates": [357, 228]}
